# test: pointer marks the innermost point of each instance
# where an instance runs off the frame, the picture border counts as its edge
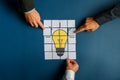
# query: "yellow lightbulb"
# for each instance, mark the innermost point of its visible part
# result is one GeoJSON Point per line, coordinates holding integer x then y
{"type": "Point", "coordinates": [60, 38]}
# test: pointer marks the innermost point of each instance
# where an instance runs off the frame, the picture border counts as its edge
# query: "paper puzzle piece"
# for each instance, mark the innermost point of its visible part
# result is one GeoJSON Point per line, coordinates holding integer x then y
{"type": "Point", "coordinates": [71, 47]}
{"type": "Point", "coordinates": [48, 47]}
{"type": "Point", "coordinates": [47, 23]}
{"type": "Point", "coordinates": [71, 23]}
{"type": "Point", "coordinates": [55, 56]}
{"type": "Point", "coordinates": [55, 23]}
{"type": "Point", "coordinates": [48, 39]}
{"type": "Point", "coordinates": [65, 56]}
{"type": "Point", "coordinates": [71, 31]}
{"type": "Point", "coordinates": [47, 31]}
{"type": "Point", "coordinates": [71, 39]}
{"type": "Point", "coordinates": [48, 55]}
{"type": "Point", "coordinates": [63, 23]}
{"type": "Point", "coordinates": [72, 55]}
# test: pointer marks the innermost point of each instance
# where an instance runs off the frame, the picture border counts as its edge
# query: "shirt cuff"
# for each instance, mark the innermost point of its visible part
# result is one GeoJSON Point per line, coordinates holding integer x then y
{"type": "Point", "coordinates": [29, 11]}
{"type": "Point", "coordinates": [70, 75]}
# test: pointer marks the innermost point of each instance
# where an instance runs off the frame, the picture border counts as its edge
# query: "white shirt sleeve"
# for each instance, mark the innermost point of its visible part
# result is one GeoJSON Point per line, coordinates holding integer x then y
{"type": "Point", "coordinates": [69, 75]}
{"type": "Point", "coordinates": [29, 11]}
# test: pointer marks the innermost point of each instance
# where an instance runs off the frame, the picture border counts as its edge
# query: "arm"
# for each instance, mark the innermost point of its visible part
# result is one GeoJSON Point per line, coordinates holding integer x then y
{"type": "Point", "coordinates": [108, 15]}
{"type": "Point", "coordinates": [26, 5]}
{"type": "Point", "coordinates": [71, 69]}
{"type": "Point", "coordinates": [69, 75]}
{"type": "Point", "coordinates": [93, 23]}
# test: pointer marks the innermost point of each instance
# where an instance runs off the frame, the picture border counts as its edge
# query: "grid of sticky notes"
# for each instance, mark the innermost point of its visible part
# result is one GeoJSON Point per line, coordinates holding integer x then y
{"type": "Point", "coordinates": [49, 45]}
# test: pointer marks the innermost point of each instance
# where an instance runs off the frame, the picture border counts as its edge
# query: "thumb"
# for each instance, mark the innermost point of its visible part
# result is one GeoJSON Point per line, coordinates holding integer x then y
{"type": "Point", "coordinates": [80, 29]}
{"type": "Point", "coordinates": [68, 61]}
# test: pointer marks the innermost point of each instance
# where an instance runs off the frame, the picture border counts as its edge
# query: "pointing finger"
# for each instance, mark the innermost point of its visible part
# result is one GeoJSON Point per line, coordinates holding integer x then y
{"type": "Point", "coordinates": [41, 25]}
{"type": "Point", "coordinates": [80, 29]}
{"type": "Point", "coordinates": [68, 61]}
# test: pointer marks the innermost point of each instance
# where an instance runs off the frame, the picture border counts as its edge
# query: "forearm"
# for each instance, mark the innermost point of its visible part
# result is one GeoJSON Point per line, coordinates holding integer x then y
{"type": "Point", "coordinates": [108, 15]}
{"type": "Point", "coordinates": [26, 5]}
{"type": "Point", "coordinates": [69, 75]}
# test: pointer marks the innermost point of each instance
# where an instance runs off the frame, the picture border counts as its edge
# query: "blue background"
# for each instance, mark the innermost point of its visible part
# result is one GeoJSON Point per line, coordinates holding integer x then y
{"type": "Point", "coordinates": [21, 46]}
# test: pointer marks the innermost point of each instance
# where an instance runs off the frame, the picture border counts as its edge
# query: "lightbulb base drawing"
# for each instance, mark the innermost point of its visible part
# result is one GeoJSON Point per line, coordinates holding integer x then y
{"type": "Point", "coordinates": [60, 51]}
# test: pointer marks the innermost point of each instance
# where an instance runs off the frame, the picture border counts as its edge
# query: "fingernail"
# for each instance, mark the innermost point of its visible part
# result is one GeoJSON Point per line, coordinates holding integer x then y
{"type": "Point", "coordinates": [75, 31]}
{"type": "Point", "coordinates": [32, 25]}
{"type": "Point", "coordinates": [36, 27]}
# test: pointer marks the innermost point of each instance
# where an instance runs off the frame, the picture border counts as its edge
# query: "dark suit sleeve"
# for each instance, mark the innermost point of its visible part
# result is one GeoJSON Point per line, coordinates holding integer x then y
{"type": "Point", "coordinates": [108, 15]}
{"type": "Point", "coordinates": [26, 5]}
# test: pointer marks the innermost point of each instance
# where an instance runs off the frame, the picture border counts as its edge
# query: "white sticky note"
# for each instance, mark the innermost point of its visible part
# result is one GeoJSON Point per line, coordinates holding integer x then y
{"type": "Point", "coordinates": [72, 39]}
{"type": "Point", "coordinates": [72, 47]}
{"type": "Point", "coordinates": [47, 47]}
{"type": "Point", "coordinates": [53, 30]}
{"type": "Point", "coordinates": [48, 55]}
{"type": "Point", "coordinates": [47, 23]}
{"type": "Point", "coordinates": [72, 55]}
{"type": "Point", "coordinates": [66, 47]}
{"type": "Point", "coordinates": [48, 39]}
{"type": "Point", "coordinates": [53, 47]}
{"type": "Point", "coordinates": [71, 23]}
{"type": "Point", "coordinates": [65, 55]}
{"type": "Point", "coordinates": [47, 31]}
{"type": "Point", "coordinates": [71, 31]}
{"type": "Point", "coordinates": [55, 23]}
{"type": "Point", "coordinates": [63, 23]}
{"type": "Point", "coordinates": [55, 56]}
{"type": "Point", "coordinates": [64, 29]}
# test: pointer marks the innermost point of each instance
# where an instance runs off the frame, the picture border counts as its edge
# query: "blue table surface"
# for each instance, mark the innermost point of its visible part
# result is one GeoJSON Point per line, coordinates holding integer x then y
{"type": "Point", "coordinates": [22, 47]}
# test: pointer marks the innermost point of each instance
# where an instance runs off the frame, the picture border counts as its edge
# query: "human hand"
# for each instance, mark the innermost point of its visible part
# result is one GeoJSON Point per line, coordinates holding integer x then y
{"type": "Point", "coordinates": [72, 65]}
{"type": "Point", "coordinates": [89, 25]}
{"type": "Point", "coordinates": [34, 19]}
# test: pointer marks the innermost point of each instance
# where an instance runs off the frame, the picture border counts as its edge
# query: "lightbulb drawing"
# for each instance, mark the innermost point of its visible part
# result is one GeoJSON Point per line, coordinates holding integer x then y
{"type": "Point", "coordinates": [60, 38]}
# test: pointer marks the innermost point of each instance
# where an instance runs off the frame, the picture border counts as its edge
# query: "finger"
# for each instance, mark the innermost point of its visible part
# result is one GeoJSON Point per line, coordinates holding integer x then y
{"type": "Point", "coordinates": [80, 29]}
{"type": "Point", "coordinates": [68, 61]}
{"type": "Point", "coordinates": [35, 24]}
{"type": "Point", "coordinates": [32, 24]}
{"type": "Point", "coordinates": [88, 19]}
{"type": "Point", "coordinates": [89, 30]}
{"type": "Point", "coordinates": [73, 62]}
{"type": "Point", "coordinates": [41, 25]}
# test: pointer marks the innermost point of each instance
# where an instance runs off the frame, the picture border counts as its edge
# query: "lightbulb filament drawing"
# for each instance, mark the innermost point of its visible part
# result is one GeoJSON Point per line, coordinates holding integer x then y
{"type": "Point", "coordinates": [60, 38]}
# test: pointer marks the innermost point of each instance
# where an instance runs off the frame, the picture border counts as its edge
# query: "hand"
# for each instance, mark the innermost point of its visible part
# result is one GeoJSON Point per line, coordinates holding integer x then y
{"type": "Point", "coordinates": [34, 19]}
{"type": "Point", "coordinates": [90, 25]}
{"type": "Point", "coordinates": [72, 65]}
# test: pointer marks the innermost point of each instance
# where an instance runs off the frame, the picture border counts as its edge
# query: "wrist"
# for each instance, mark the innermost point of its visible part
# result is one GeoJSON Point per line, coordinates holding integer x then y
{"type": "Point", "coordinates": [70, 74]}
{"type": "Point", "coordinates": [29, 11]}
{"type": "Point", "coordinates": [96, 22]}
